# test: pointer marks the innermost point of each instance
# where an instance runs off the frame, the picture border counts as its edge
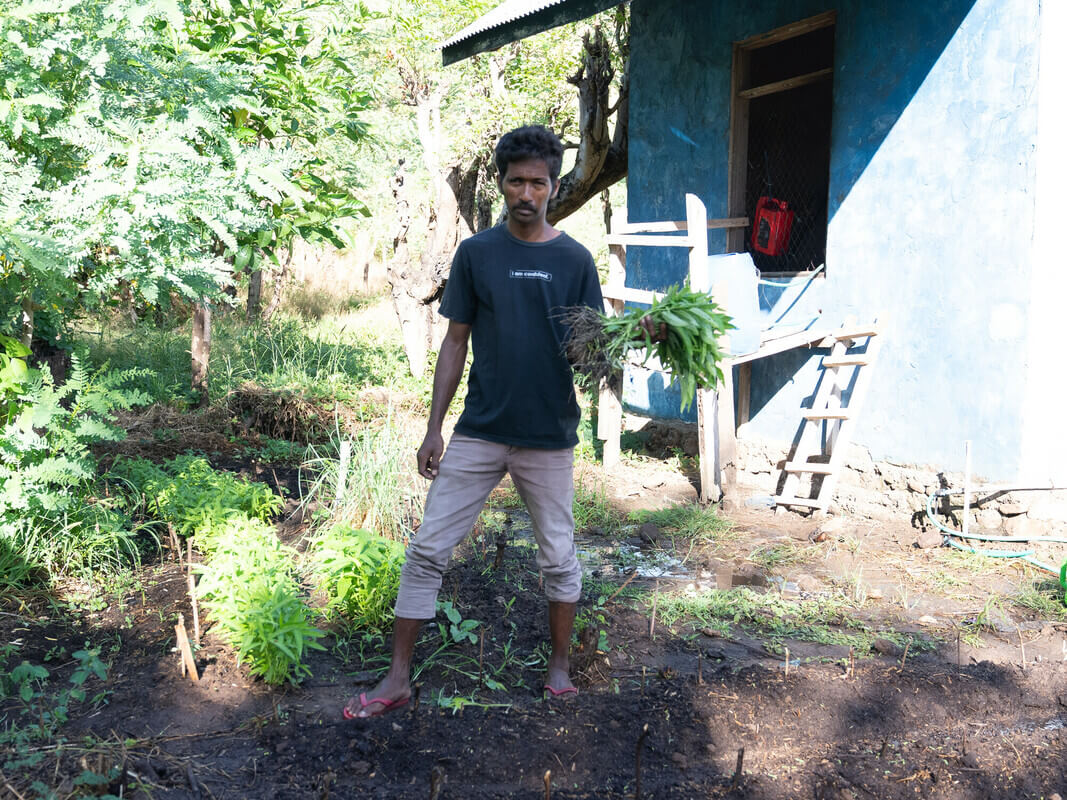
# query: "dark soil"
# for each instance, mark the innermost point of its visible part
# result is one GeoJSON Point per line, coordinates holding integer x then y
{"type": "Point", "coordinates": [921, 725]}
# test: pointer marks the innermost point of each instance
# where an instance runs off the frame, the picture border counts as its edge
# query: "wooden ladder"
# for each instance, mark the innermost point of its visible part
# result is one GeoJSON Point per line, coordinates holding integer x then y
{"type": "Point", "coordinates": [840, 369]}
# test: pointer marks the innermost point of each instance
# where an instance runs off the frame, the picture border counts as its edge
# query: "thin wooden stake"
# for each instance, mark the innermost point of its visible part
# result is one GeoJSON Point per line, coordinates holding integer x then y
{"type": "Point", "coordinates": [787, 662]}
{"type": "Point", "coordinates": [738, 769]}
{"type": "Point", "coordinates": [1022, 644]}
{"type": "Point", "coordinates": [415, 699]}
{"type": "Point", "coordinates": [196, 609]}
{"type": "Point", "coordinates": [437, 781]}
{"type": "Point", "coordinates": [637, 762]}
{"type": "Point", "coordinates": [655, 603]}
{"type": "Point", "coordinates": [548, 784]}
{"type": "Point", "coordinates": [186, 651]}
{"type": "Point", "coordinates": [342, 471]}
{"type": "Point", "coordinates": [700, 668]}
{"type": "Point", "coordinates": [175, 547]}
{"type": "Point", "coordinates": [851, 662]}
{"type": "Point", "coordinates": [481, 651]}
{"type": "Point", "coordinates": [192, 594]}
{"type": "Point", "coordinates": [643, 672]}
{"type": "Point", "coordinates": [959, 662]}
{"type": "Point", "coordinates": [625, 583]}
{"type": "Point", "coordinates": [904, 659]}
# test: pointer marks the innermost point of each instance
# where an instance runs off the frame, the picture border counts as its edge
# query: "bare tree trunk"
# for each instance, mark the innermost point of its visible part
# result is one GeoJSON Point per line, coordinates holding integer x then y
{"type": "Point", "coordinates": [27, 317]}
{"type": "Point", "coordinates": [201, 350]}
{"type": "Point", "coordinates": [279, 285]}
{"type": "Point", "coordinates": [602, 158]}
{"type": "Point", "coordinates": [414, 315]}
{"type": "Point", "coordinates": [255, 295]}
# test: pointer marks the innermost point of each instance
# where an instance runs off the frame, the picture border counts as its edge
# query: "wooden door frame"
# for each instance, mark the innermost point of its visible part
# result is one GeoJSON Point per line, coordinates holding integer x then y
{"type": "Point", "coordinates": [740, 97]}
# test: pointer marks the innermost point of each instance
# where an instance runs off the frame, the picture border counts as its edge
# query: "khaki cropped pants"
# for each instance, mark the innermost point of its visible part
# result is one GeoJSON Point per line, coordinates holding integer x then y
{"type": "Point", "coordinates": [469, 471]}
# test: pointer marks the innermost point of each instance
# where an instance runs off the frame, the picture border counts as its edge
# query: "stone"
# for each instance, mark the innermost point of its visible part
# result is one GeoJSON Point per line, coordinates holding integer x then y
{"type": "Point", "coordinates": [926, 619]}
{"type": "Point", "coordinates": [928, 539]}
{"type": "Point", "coordinates": [885, 647]}
{"type": "Point", "coordinates": [808, 583]}
{"type": "Point", "coordinates": [1012, 509]}
{"type": "Point", "coordinates": [1048, 506]}
{"type": "Point", "coordinates": [970, 760]}
{"type": "Point", "coordinates": [832, 525]}
{"type": "Point", "coordinates": [1055, 796]}
{"type": "Point", "coordinates": [1020, 526]}
{"type": "Point", "coordinates": [680, 760]}
{"type": "Point", "coordinates": [859, 459]}
{"type": "Point", "coordinates": [916, 486]}
{"type": "Point", "coordinates": [649, 533]}
{"type": "Point", "coordinates": [988, 519]}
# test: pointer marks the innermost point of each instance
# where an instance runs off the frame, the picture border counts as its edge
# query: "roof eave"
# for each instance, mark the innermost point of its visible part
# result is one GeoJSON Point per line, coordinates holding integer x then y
{"type": "Point", "coordinates": [512, 31]}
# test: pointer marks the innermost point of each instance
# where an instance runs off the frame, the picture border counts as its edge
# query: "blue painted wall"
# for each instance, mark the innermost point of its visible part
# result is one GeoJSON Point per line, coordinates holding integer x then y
{"type": "Point", "coordinates": [931, 206]}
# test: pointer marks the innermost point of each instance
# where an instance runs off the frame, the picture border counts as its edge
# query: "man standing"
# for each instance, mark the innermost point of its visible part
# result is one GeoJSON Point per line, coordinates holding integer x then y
{"type": "Point", "coordinates": [504, 293]}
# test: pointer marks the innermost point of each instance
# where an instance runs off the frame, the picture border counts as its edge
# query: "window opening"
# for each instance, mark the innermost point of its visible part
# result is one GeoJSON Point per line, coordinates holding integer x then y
{"type": "Point", "coordinates": [780, 144]}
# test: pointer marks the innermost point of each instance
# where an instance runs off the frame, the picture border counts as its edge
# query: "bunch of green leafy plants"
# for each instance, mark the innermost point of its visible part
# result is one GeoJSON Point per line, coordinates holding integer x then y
{"type": "Point", "coordinates": [45, 454]}
{"type": "Point", "coordinates": [190, 494]}
{"type": "Point", "coordinates": [36, 712]}
{"type": "Point", "coordinates": [249, 582]}
{"type": "Point", "coordinates": [55, 518]}
{"type": "Point", "coordinates": [249, 586]}
{"type": "Point", "coordinates": [359, 572]}
{"type": "Point", "coordinates": [598, 344]}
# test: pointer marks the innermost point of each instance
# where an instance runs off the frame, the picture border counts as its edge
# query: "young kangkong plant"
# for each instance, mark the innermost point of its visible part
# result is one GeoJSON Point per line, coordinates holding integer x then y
{"type": "Point", "coordinates": [360, 574]}
{"type": "Point", "coordinates": [598, 344]}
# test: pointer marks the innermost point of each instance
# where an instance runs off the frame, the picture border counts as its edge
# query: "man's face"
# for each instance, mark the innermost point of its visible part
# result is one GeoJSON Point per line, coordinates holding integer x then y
{"type": "Point", "coordinates": [527, 188]}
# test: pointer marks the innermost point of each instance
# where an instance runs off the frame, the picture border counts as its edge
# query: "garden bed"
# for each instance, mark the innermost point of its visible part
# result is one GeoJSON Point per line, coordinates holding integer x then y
{"type": "Point", "coordinates": [954, 709]}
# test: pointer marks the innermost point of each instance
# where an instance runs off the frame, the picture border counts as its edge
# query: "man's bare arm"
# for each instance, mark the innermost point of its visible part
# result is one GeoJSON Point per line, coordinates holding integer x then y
{"type": "Point", "coordinates": [446, 375]}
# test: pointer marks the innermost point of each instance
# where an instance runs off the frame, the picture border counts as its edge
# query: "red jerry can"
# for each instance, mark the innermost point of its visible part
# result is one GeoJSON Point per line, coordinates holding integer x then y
{"type": "Point", "coordinates": [772, 226]}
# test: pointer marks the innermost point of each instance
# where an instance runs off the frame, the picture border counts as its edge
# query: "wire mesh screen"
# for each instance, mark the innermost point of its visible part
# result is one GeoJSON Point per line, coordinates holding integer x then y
{"type": "Point", "coordinates": [789, 151]}
{"type": "Point", "coordinates": [789, 161]}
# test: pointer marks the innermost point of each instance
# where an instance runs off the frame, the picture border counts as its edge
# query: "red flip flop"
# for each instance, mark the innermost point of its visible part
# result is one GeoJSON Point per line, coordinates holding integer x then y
{"type": "Point", "coordinates": [561, 692]}
{"type": "Point", "coordinates": [386, 706]}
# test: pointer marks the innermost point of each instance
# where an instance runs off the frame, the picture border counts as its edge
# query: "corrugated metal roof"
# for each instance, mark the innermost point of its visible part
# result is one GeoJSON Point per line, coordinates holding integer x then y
{"type": "Point", "coordinates": [504, 13]}
{"type": "Point", "coordinates": [517, 19]}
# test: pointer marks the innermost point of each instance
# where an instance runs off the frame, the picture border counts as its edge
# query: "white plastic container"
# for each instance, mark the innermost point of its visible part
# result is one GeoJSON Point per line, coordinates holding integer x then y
{"type": "Point", "coordinates": [739, 281]}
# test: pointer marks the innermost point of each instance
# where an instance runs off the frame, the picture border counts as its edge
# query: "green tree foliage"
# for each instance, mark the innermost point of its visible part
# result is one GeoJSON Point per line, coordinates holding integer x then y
{"type": "Point", "coordinates": [301, 57]}
{"type": "Point", "coordinates": [118, 169]}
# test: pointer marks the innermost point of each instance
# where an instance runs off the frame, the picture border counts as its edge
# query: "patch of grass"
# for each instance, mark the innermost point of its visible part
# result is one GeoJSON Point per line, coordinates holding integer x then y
{"type": "Point", "coordinates": [688, 521]}
{"type": "Point", "coordinates": [333, 358]}
{"type": "Point", "coordinates": [1044, 597]}
{"type": "Point", "coordinates": [504, 497]}
{"type": "Point", "coordinates": [769, 615]}
{"type": "Point", "coordinates": [377, 490]}
{"type": "Point", "coordinates": [592, 510]}
{"type": "Point", "coordinates": [781, 554]}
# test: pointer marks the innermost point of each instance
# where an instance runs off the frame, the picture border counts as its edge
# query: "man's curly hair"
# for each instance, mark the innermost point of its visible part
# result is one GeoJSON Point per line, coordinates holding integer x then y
{"type": "Point", "coordinates": [529, 141]}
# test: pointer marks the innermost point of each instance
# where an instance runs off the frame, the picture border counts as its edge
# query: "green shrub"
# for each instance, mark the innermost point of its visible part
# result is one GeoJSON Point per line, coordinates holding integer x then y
{"type": "Point", "coordinates": [360, 574]}
{"type": "Point", "coordinates": [379, 491]}
{"type": "Point", "coordinates": [45, 458]}
{"type": "Point", "coordinates": [192, 495]}
{"type": "Point", "coordinates": [249, 586]}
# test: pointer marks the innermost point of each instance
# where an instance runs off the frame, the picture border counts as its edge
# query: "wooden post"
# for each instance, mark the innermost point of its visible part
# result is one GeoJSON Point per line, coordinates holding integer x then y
{"type": "Point", "coordinates": [609, 422]}
{"type": "Point", "coordinates": [182, 637]}
{"type": "Point", "coordinates": [201, 349]}
{"type": "Point", "coordinates": [609, 407]}
{"type": "Point", "coordinates": [708, 443]}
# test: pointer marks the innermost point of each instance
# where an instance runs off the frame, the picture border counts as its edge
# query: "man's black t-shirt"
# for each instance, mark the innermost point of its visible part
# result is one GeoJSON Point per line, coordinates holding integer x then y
{"type": "Point", "coordinates": [521, 389]}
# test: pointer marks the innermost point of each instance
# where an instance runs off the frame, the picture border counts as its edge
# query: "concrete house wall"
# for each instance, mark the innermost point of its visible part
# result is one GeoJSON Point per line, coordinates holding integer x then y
{"type": "Point", "coordinates": [933, 214]}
